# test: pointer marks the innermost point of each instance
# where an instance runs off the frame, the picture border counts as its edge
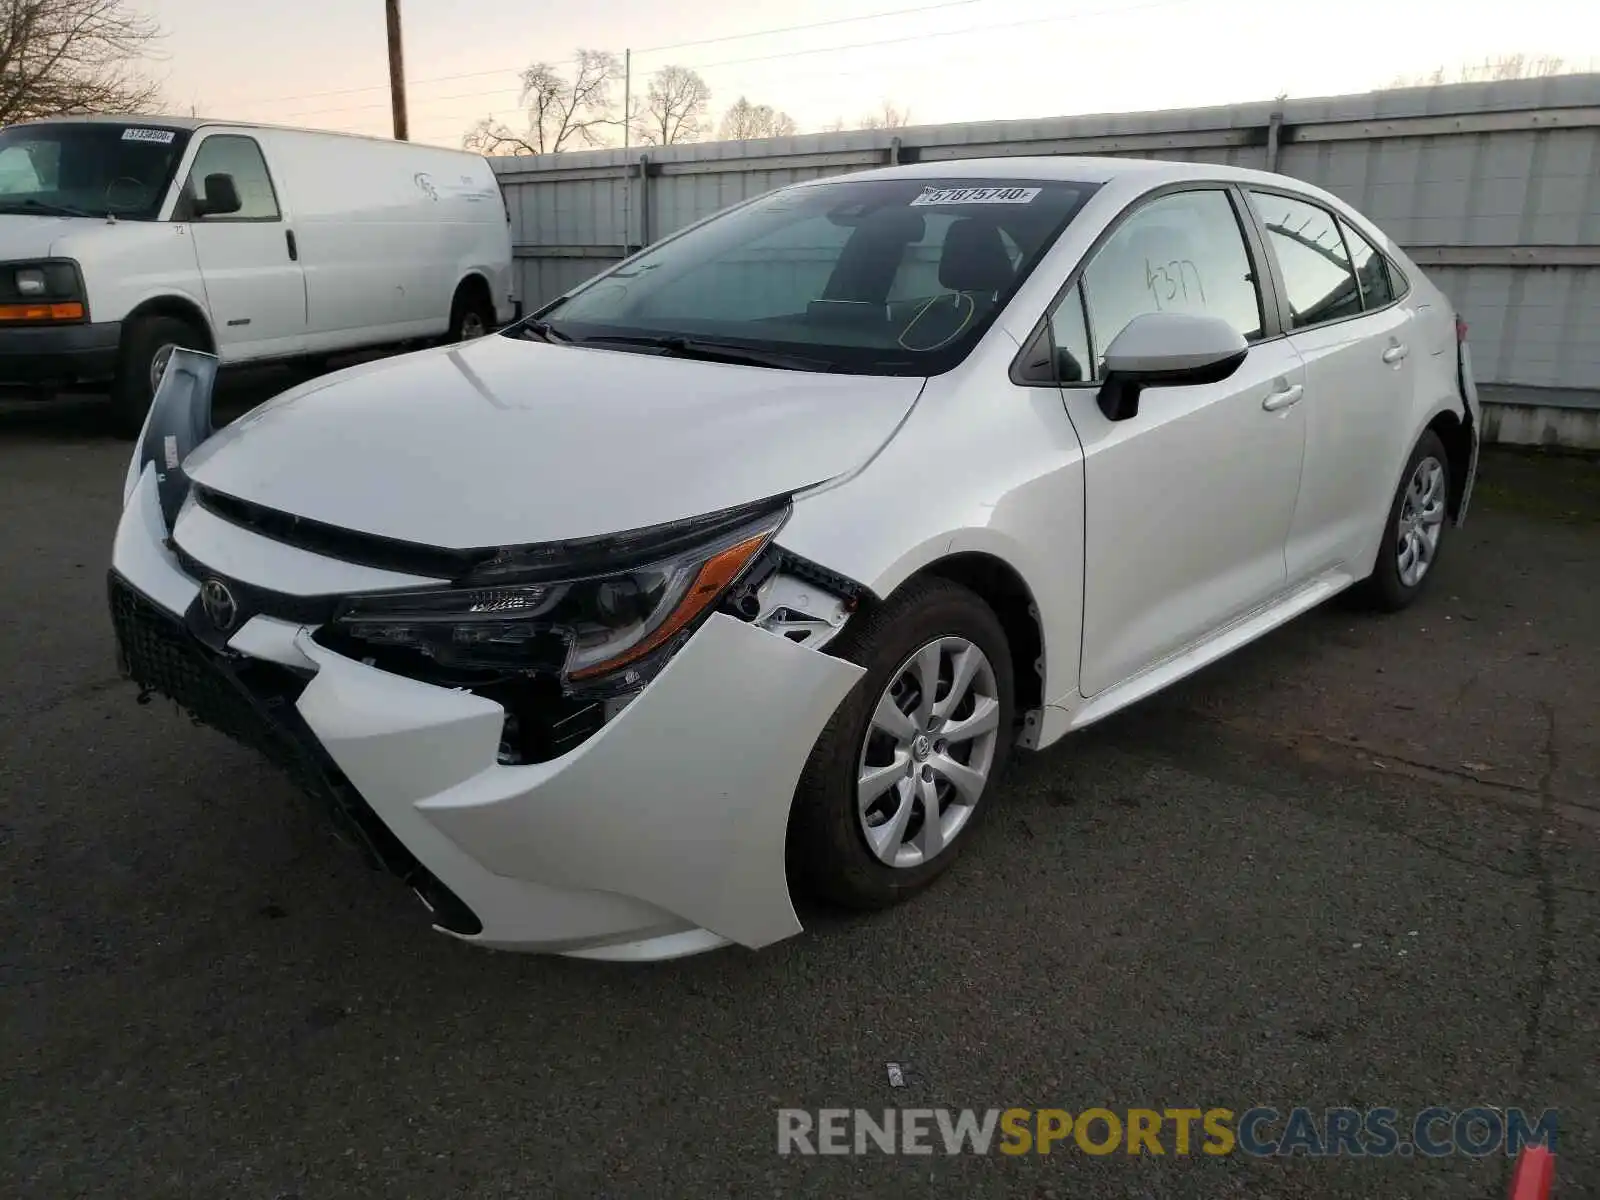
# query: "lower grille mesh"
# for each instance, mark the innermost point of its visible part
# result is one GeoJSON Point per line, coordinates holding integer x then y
{"type": "Point", "coordinates": [253, 702]}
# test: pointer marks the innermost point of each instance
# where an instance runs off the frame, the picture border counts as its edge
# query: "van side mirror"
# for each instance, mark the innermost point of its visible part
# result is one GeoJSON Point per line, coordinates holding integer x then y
{"type": "Point", "coordinates": [1167, 349]}
{"type": "Point", "coordinates": [221, 198]}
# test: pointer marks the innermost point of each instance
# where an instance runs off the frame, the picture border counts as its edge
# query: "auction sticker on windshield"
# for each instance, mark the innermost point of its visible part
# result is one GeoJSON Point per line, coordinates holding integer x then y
{"type": "Point", "coordinates": [978, 195]}
{"type": "Point", "coordinates": [164, 136]}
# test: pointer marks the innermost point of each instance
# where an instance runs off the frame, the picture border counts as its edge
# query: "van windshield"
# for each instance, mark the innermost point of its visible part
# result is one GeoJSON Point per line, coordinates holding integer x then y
{"type": "Point", "coordinates": [885, 276]}
{"type": "Point", "coordinates": [94, 169]}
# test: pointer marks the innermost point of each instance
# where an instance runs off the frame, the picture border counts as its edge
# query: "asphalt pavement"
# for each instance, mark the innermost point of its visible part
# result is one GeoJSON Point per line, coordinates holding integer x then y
{"type": "Point", "coordinates": [1354, 864]}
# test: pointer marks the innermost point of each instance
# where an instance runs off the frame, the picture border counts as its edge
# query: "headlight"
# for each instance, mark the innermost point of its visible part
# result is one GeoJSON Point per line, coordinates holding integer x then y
{"type": "Point", "coordinates": [49, 290]}
{"type": "Point", "coordinates": [596, 631]}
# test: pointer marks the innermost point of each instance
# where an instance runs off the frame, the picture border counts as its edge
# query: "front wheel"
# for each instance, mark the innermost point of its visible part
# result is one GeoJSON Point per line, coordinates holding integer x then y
{"type": "Point", "coordinates": [471, 315]}
{"type": "Point", "coordinates": [909, 761]}
{"type": "Point", "coordinates": [1414, 530]}
{"type": "Point", "coordinates": [147, 346]}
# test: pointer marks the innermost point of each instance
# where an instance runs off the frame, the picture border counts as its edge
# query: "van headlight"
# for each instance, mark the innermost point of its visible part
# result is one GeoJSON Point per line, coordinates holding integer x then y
{"type": "Point", "coordinates": [599, 632]}
{"type": "Point", "coordinates": [43, 291]}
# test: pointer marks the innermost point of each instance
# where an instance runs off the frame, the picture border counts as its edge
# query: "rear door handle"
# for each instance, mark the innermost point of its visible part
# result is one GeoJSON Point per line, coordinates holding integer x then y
{"type": "Point", "coordinates": [1281, 400]}
{"type": "Point", "coordinates": [1394, 354]}
{"type": "Point", "coordinates": [294, 250]}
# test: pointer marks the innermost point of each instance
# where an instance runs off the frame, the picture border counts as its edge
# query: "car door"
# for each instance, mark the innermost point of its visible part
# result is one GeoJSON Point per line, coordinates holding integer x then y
{"type": "Point", "coordinates": [1357, 344]}
{"type": "Point", "coordinates": [1187, 503]}
{"type": "Point", "coordinates": [249, 262]}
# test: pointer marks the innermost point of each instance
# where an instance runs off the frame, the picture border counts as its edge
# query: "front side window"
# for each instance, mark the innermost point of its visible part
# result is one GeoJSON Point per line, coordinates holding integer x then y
{"type": "Point", "coordinates": [88, 169]}
{"type": "Point", "coordinates": [240, 158]}
{"type": "Point", "coordinates": [871, 276]}
{"type": "Point", "coordinates": [1312, 259]}
{"type": "Point", "coordinates": [1179, 253]}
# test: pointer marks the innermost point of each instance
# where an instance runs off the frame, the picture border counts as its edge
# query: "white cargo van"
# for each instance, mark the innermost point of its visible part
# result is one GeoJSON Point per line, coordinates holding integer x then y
{"type": "Point", "coordinates": [124, 237]}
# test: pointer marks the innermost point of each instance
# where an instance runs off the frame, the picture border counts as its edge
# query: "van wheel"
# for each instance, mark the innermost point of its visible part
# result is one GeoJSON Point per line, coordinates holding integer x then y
{"type": "Point", "coordinates": [471, 315]}
{"type": "Point", "coordinates": [147, 346]}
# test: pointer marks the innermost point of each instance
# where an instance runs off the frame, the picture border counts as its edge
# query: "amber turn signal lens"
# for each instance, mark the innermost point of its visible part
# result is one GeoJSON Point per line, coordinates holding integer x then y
{"type": "Point", "coordinates": [713, 578]}
{"type": "Point", "coordinates": [41, 312]}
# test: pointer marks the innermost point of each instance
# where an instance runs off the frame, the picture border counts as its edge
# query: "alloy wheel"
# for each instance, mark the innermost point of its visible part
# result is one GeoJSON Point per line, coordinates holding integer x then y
{"type": "Point", "coordinates": [1422, 513]}
{"type": "Point", "coordinates": [928, 752]}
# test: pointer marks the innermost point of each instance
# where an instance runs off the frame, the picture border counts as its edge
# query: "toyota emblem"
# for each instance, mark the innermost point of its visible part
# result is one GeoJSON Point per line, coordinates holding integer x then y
{"type": "Point", "coordinates": [219, 604]}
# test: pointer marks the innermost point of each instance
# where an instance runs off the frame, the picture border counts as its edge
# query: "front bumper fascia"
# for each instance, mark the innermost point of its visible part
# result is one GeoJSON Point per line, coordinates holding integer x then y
{"type": "Point", "coordinates": [661, 835]}
{"type": "Point", "coordinates": [50, 358]}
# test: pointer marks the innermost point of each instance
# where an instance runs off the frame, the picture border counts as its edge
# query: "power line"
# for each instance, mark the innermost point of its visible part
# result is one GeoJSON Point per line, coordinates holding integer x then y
{"type": "Point", "coordinates": [906, 39]}
{"type": "Point", "coordinates": [732, 37]}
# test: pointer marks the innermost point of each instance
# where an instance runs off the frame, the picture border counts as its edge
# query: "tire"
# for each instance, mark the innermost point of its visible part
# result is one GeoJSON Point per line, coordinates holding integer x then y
{"type": "Point", "coordinates": [829, 853]}
{"type": "Point", "coordinates": [471, 314]}
{"type": "Point", "coordinates": [145, 340]}
{"type": "Point", "coordinates": [1392, 586]}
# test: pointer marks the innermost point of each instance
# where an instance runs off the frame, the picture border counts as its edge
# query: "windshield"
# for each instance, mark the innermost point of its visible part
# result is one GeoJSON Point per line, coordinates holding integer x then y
{"type": "Point", "coordinates": [89, 170]}
{"type": "Point", "coordinates": [873, 276]}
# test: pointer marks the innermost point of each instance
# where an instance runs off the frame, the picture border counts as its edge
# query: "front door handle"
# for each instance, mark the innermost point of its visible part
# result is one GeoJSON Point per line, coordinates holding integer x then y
{"type": "Point", "coordinates": [1394, 354]}
{"type": "Point", "coordinates": [1281, 400]}
{"type": "Point", "coordinates": [294, 249]}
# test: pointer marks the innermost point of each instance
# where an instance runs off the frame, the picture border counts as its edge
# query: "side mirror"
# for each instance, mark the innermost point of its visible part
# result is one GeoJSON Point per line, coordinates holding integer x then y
{"type": "Point", "coordinates": [221, 198]}
{"type": "Point", "coordinates": [1165, 349]}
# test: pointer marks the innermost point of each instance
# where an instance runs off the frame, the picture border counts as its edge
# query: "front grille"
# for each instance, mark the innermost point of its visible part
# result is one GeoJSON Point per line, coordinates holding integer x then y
{"type": "Point", "coordinates": [253, 702]}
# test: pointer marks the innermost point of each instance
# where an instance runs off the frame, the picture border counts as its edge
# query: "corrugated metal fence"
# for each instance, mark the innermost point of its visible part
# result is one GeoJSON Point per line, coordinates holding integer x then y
{"type": "Point", "coordinates": [1493, 188]}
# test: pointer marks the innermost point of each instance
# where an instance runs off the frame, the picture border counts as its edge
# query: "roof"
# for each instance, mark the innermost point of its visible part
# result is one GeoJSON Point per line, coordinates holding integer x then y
{"type": "Point", "coordinates": [1068, 168]}
{"type": "Point", "coordinates": [194, 123]}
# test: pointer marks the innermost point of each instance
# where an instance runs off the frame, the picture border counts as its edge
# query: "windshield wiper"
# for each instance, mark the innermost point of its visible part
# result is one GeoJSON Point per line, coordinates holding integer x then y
{"type": "Point", "coordinates": [43, 206]}
{"type": "Point", "coordinates": [542, 330]}
{"type": "Point", "coordinates": [708, 351]}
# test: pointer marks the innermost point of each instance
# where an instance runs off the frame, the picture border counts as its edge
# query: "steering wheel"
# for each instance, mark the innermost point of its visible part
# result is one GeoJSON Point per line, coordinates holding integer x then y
{"type": "Point", "coordinates": [118, 181]}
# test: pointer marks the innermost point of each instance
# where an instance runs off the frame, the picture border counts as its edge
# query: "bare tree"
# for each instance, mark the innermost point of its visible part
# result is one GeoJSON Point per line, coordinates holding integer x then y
{"type": "Point", "coordinates": [1509, 66]}
{"type": "Point", "coordinates": [887, 117]}
{"type": "Point", "coordinates": [74, 56]}
{"type": "Point", "coordinates": [745, 120]}
{"type": "Point", "coordinates": [562, 112]}
{"type": "Point", "coordinates": [675, 109]}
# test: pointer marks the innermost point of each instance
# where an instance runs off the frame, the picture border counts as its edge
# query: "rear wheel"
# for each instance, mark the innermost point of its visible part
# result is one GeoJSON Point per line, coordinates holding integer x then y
{"type": "Point", "coordinates": [1414, 531]}
{"type": "Point", "coordinates": [906, 766]}
{"type": "Point", "coordinates": [471, 314]}
{"type": "Point", "coordinates": [147, 346]}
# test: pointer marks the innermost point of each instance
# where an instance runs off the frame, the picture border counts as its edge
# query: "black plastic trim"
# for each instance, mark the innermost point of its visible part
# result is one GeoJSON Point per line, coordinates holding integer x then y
{"type": "Point", "coordinates": [487, 565]}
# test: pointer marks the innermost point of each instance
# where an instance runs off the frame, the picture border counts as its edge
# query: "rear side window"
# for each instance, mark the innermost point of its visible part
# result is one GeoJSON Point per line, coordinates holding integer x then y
{"type": "Point", "coordinates": [231, 154]}
{"type": "Point", "coordinates": [1312, 259]}
{"type": "Point", "coordinates": [1372, 270]}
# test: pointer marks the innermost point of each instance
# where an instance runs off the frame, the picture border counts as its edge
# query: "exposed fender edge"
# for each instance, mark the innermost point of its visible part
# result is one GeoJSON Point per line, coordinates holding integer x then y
{"type": "Point", "coordinates": [179, 420]}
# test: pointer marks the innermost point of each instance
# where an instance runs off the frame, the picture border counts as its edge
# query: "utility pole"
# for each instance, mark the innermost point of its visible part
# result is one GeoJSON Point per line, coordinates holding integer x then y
{"type": "Point", "coordinates": [397, 70]}
{"type": "Point", "coordinates": [627, 96]}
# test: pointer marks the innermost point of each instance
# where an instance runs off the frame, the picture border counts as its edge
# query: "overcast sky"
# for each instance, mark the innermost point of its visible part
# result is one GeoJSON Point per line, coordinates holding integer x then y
{"type": "Point", "coordinates": [322, 62]}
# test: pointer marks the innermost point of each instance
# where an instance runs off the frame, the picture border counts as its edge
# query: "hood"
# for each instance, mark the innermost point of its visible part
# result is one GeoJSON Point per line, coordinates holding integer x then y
{"type": "Point", "coordinates": [502, 441]}
{"type": "Point", "coordinates": [25, 236]}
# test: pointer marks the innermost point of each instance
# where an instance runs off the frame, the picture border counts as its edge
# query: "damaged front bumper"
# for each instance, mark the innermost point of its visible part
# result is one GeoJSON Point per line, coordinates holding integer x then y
{"type": "Point", "coordinates": [660, 835]}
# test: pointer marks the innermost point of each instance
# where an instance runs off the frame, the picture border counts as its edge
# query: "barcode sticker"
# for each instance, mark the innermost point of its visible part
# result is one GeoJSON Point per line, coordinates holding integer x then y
{"type": "Point", "coordinates": [977, 195]}
{"type": "Point", "coordinates": [161, 136]}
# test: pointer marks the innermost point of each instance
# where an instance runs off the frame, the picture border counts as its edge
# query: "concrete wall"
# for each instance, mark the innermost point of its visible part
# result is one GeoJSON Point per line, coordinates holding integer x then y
{"type": "Point", "coordinates": [1493, 188]}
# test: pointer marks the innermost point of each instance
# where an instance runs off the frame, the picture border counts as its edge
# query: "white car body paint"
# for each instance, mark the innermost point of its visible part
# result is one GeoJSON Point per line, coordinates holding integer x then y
{"type": "Point", "coordinates": [504, 441]}
{"type": "Point", "coordinates": [1148, 547]}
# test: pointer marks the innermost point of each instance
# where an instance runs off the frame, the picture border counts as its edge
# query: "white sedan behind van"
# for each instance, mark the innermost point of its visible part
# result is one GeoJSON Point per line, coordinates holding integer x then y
{"type": "Point", "coordinates": [744, 566]}
{"type": "Point", "coordinates": [124, 238]}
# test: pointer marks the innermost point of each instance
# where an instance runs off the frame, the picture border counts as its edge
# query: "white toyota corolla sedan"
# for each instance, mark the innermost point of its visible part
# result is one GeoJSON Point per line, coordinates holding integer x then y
{"type": "Point", "coordinates": [744, 566]}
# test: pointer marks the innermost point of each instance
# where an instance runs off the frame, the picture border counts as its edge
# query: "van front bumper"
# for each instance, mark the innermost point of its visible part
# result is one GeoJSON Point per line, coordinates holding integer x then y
{"type": "Point", "coordinates": [661, 835]}
{"type": "Point", "coordinates": [58, 356]}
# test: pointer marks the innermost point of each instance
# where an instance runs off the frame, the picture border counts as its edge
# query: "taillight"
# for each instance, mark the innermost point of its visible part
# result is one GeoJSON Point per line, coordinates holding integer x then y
{"type": "Point", "coordinates": [1461, 329]}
